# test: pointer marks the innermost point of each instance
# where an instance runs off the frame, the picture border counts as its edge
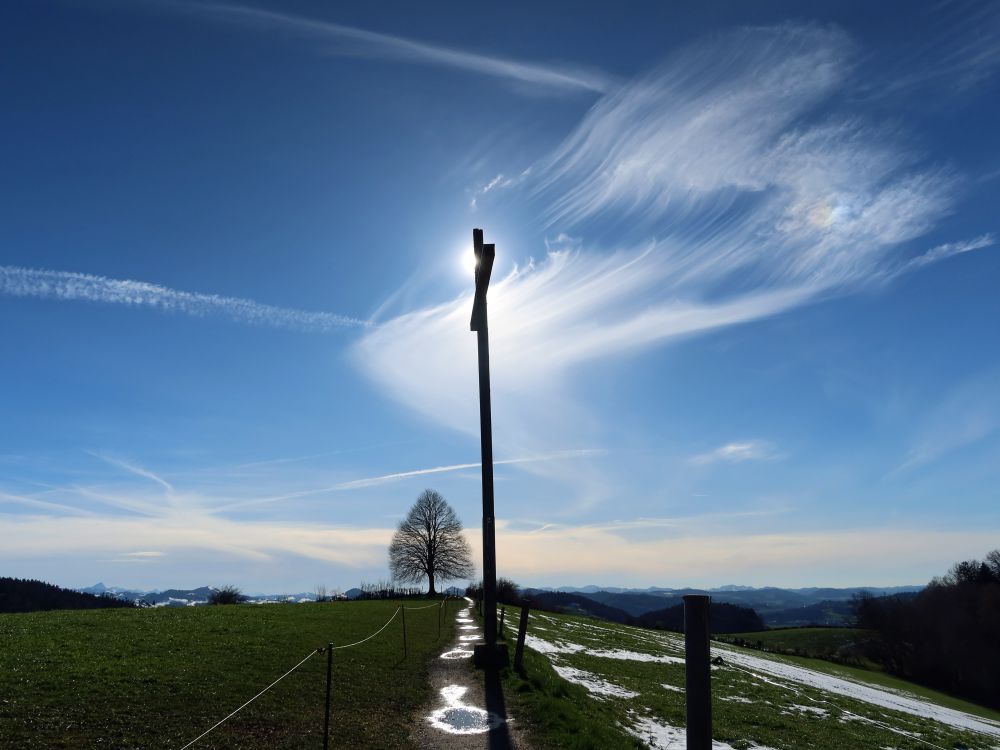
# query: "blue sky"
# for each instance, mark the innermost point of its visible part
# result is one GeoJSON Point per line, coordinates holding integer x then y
{"type": "Point", "coordinates": [743, 316]}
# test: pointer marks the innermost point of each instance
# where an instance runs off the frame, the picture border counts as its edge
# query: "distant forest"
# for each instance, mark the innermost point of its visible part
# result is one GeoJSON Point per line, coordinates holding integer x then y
{"type": "Point", "coordinates": [22, 595]}
{"type": "Point", "coordinates": [946, 637]}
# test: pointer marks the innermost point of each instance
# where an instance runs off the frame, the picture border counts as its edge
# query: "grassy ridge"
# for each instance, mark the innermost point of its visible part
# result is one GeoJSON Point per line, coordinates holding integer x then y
{"type": "Point", "coordinates": [840, 645]}
{"type": "Point", "coordinates": [558, 713]}
{"type": "Point", "coordinates": [748, 710]}
{"type": "Point", "coordinates": [157, 678]}
{"type": "Point", "coordinates": [812, 641]}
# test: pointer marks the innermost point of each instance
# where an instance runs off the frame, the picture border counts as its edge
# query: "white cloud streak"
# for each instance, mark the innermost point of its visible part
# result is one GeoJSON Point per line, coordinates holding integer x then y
{"type": "Point", "coordinates": [949, 249]}
{"type": "Point", "coordinates": [738, 452]}
{"type": "Point", "coordinates": [16, 281]}
{"type": "Point", "coordinates": [132, 468]}
{"type": "Point", "coordinates": [356, 484]}
{"type": "Point", "coordinates": [355, 42]}
{"type": "Point", "coordinates": [564, 554]}
{"type": "Point", "coordinates": [35, 503]}
{"type": "Point", "coordinates": [966, 415]}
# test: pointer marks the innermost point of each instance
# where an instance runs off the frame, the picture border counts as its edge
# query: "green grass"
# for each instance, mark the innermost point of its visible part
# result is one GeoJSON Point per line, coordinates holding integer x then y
{"type": "Point", "coordinates": [559, 714]}
{"type": "Point", "coordinates": [157, 678]}
{"type": "Point", "coordinates": [840, 645]}
{"type": "Point", "coordinates": [811, 641]}
{"type": "Point", "coordinates": [747, 711]}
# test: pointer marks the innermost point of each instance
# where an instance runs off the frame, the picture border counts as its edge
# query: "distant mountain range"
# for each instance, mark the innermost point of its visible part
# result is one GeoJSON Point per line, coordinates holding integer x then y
{"type": "Point", "coordinates": [186, 597]}
{"type": "Point", "coordinates": [778, 607]}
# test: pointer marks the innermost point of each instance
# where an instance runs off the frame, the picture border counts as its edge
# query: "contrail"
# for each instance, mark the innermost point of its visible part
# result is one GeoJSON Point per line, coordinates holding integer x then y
{"type": "Point", "coordinates": [394, 477]}
{"type": "Point", "coordinates": [363, 43]}
{"type": "Point", "coordinates": [16, 281]}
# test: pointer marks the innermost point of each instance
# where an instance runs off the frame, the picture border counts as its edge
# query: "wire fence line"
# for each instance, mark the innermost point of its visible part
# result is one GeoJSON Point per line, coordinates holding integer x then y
{"type": "Point", "coordinates": [311, 654]}
{"type": "Point", "coordinates": [363, 640]}
{"type": "Point", "coordinates": [223, 721]}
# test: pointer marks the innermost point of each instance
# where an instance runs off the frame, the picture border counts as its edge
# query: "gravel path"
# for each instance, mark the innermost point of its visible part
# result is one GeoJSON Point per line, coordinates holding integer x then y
{"type": "Point", "coordinates": [467, 710]}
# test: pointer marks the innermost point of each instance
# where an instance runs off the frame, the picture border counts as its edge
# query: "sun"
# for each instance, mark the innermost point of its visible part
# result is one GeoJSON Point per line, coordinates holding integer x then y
{"type": "Point", "coordinates": [467, 262]}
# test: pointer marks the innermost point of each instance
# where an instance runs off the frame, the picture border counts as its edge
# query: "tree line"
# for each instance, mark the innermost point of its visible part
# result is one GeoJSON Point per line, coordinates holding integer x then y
{"type": "Point", "coordinates": [27, 595]}
{"type": "Point", "coordinates": [947, 636]}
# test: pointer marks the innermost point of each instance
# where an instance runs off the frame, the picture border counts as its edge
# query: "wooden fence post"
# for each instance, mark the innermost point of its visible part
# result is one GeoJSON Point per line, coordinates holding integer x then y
{"type": "Point", "coordinates": [329, 673]}
{"type": "Point", "coordinates": [522, 628]}
{"type": "Point", "coordinates": [503, 611]}
{"type": "Point", "coordinates": [697, 672]}
{"type": "Point", "coordinates": [402, 611]}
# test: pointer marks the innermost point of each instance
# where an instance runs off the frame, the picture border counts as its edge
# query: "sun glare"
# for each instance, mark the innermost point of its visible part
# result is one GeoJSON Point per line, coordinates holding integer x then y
{"type": "Point", "coordinates": [467, 262]}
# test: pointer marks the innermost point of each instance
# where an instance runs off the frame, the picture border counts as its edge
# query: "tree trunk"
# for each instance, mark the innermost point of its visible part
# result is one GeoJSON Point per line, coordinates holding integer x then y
{"type": "Point", "coordinates": [432, 592]}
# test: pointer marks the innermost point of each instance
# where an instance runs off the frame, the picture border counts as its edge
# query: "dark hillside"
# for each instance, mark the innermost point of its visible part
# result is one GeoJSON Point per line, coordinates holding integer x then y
{"type": "Point", "coordinates": [723, 618]}
{"type": "Point", "coordinates": [635, 604]}
{"type": "Point", "coordinates": [575, 604]}
{"type": "Point", "coordinates": [835, 613]}
{"type": "Point", "coordinates": [20, 595]}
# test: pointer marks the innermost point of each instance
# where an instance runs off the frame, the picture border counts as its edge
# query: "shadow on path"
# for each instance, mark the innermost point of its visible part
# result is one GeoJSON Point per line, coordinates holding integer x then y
{"type": "Point", "coordinates": [499, 738]}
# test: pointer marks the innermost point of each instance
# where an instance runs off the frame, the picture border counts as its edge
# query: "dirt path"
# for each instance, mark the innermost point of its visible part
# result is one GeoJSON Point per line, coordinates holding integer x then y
{"type": "Point", "coordinates": [467, 711]}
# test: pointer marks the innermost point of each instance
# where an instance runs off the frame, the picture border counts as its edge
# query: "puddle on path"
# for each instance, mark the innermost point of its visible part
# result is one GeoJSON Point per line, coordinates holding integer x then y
{"type": "Point", "coordinates": [468, 627]}
{"type": "Point", "coordinates": [458, 653]}
{"type": "Point", "coordinates": [468, 637]}
{"type": "Point", "coordinates": [458, 718]}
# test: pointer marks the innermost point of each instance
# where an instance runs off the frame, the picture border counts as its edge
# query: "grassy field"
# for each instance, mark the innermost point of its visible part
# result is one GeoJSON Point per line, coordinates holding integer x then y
{"type": "Point", "coordinates": [558, 713]}
{"type": "Point", "coordinates": [841, 645]}
{"type": "Point", "coordinates": [157, 678]}
{"type": "Point", "coordinates": [811, 641]}
{"type": "Point", "coordinates": [635, 681]}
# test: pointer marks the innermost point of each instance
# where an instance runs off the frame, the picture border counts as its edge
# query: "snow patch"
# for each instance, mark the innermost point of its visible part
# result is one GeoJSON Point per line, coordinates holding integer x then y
{"type": "Point", "coordinates": [661, 736]}
{"type": "Point", "coordinates": [619, 653]}
{"type": "Point", "coordinates": [594, 684]}
{"type": "Point", "coordinates": [893, 700]}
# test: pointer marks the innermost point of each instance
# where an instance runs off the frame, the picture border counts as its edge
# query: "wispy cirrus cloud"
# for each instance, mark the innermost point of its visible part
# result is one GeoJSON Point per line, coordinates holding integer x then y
{"type": "Point", "coordinates": [738, 452]}
{"type": "Point", "coordinates": [355, 42]}
{"type": "Point", "coordinates": [16, 281]}
{"type": "Point", "coordinates": [962, 52]}
{"type": "Point", "coordinates": [968, 413]}
{"type": "Point", "coordinates": [133, 468]}
{"type": "Point", "coordinates": [735, 191]}
{"type": "Point", "coordinates": [949, 249]}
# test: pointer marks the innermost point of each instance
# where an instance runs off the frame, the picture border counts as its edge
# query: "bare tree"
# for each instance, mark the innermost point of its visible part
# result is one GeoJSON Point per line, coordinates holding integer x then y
{"type": "Point", "coordinates": [227, 595]}
{"type": "Point", "coordinates": [429, 544]}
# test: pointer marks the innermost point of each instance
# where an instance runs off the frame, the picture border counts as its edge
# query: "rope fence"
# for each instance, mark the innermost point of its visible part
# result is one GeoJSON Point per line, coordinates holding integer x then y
{"type": "Point", "coordinates": [223, 721]}
{"type": "Point", "coordinates": [326, 649]}
{"type": "Point", "coordinates": [363, 640]}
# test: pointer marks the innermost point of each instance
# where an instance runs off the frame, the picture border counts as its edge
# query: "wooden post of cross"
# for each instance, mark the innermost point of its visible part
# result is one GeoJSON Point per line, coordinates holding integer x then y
{"type": "Point", "coordinates": [488, 655]}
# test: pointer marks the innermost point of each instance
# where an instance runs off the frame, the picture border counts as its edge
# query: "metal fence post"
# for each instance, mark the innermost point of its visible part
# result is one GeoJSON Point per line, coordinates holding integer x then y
{"type": "Point", "coordinates": [522, 628]}
{"type": "Point", "coordinates": [329, 674]}
{"type": "Point", "coordinates": [697, 672]}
